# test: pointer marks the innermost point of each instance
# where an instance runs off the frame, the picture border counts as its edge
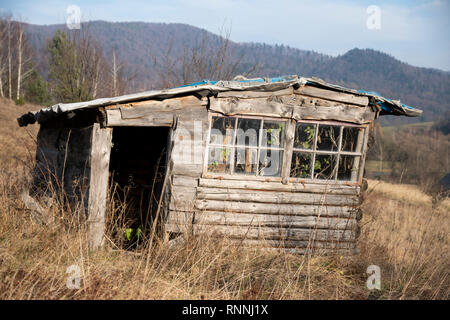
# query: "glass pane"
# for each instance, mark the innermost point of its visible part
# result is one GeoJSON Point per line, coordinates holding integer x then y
{"type": "Point", "coordinates": [328, 138]}
{"type": "Point", "coordinates": [248, 132]}
{"type": "Point", "coordinates": [273, 134]}
{"type": "Point", "coordinates": [345, 170]}
{"type": "Point", "coordinates": [245, 161]}
{"type": "Point", "coordinates": [301, 165]}
{"type": "Point", "coordinates": [350, 139]}
{"type": "Point", "coordinates": [219, 160]}
{"type": "Point", "coordinates": [222, 130]}
{"type": "Point", "coordinates": [324, 166]}
{"type": "Point", "coordinates": [304, 136]}
{"type": "Point", "coordinates": [270, 162]}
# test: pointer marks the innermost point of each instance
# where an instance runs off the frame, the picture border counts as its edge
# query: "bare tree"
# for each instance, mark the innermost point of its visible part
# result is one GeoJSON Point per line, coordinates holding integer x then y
{"type": "Point", "coordinates": [9, 32]}
{"type": "Point", "coordinates": [2, 54]}
{"type": "Point", "coordinates": [23, 57]}
{"type": "Point", "coordinates": [119, 76]}
{"type": "Point", "coordinates": [213, 57]}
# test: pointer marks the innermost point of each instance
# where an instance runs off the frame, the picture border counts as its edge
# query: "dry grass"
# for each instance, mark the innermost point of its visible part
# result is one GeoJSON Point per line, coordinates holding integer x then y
{"type": "Point", "coordinates": [400, 233]}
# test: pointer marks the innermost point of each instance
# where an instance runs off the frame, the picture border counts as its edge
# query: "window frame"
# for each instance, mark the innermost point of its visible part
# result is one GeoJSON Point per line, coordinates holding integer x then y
{"type": "Point", "coordinates": [234, 147]}
{"type": "Point", "coordinates": [288, 150]}
{"type": "Point", "coordinates": [359, 155]}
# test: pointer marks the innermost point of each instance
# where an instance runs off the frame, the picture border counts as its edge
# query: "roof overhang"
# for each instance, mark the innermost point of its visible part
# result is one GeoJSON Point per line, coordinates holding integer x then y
{"type": "Point", "coordinates": [385, 106]}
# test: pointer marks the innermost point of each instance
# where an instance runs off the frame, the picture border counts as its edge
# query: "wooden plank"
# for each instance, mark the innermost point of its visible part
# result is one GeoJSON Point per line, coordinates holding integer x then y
{"type": "Point", "coordinates": [357, 160]}
{"type": "Point", "coordinates": [277, 186]}
{"type": "Point", "coordinates": [296, 244]}
{"type": "Point", "coordinates": [157, 119]}
{"type": "Point", "coordinates": [100, 154]}
{"type": "Point", "coordinates": [254, 94]}
{"type": "Point", "coordinates": [296, 107]}
{"type": "Point", "coordinates": [191, 170]}
{"type": "Point", "coordinates": [182, 198]}
{"type": "Point", "coordinates": [245, 232]}
{"type": "Point", "coordinates": [283, 209]}
{"type": "Point", "coordinates": [345, 113]}
{"type": "Point", "coordinates": [333, 95]}
{"type": "Point", "coordinates": [185, 181]}
{"type": "Point", "coordinates": [275, 197]}
{"type": "Point", "coordinates": [233, 106]}
{"type": "Point", "coordinates": [266, 220]}
{"type": "Point", "coordinates": [287, 158]}
{"type": "Point", "coordinates": [147, 108]}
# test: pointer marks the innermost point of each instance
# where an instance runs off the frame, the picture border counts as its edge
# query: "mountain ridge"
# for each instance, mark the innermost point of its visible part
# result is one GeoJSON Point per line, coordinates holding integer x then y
{"type": "Point", "coordinates": [139, 44]}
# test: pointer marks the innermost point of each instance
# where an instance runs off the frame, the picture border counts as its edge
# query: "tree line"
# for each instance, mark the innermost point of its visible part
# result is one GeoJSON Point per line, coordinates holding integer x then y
{"type": "Point", "coordinates": [78, 69]}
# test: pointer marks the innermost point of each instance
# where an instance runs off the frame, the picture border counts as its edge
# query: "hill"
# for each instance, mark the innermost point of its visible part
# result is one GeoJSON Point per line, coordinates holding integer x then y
{"type": "Point", "coordinates": [139, 44]}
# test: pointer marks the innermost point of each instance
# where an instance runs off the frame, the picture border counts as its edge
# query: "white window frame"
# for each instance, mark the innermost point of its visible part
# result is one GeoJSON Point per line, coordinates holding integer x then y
{"type": "Point", "coordinates": [288, 150]}
{"type": "Point", "coordinates": [234, 147]}
{"type": "Point", "coordinates": [359, 155]}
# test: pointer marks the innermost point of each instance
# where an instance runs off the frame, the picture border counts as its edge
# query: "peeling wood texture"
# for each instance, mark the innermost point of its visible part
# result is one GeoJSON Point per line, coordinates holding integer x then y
{"type": "Point", "coordinates": [276, 186]}
{"type": "Point", "coordinates": [156, 113]}
{"type": "Point", "coordinates": [254, 94]}
{"type": "Point", "coordinates": [294, 107]}
{"type": "Point", "coordinates": [275, 197]}
{"type": "Point", "coordinates": [333, 95]}
{"type": "Point", "coordinates": [100, 153]}
{"type": "Point", "coordinates": [270, 208]}
{"type": "Point", "coordinates": [270, 233]}
{"type": "Point", "coordinates": [62, 165]}
{"type": "Point", "coordinates": [265, 220]}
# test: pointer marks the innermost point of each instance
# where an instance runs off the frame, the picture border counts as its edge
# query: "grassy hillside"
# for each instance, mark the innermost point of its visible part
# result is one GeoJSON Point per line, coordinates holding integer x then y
{"type": "Point", "coordinates": [400, 233]}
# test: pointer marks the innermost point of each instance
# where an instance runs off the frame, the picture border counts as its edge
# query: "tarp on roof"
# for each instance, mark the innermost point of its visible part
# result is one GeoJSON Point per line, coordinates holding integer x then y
{"type": "Point", "coordinates": [388, 106]}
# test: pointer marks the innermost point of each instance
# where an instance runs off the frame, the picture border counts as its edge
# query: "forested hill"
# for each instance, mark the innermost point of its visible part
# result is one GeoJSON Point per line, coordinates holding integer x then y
{"type": "Point", "coordinates": [140, 44]}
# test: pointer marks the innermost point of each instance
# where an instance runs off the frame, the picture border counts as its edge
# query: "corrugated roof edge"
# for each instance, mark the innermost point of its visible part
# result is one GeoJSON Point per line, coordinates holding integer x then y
{"type": "Point", "coordinates": [388, 106]}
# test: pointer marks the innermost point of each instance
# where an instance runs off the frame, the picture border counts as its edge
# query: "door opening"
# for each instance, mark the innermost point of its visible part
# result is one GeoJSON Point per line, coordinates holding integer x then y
{"type": "Point", "coordinates": [137, 169]}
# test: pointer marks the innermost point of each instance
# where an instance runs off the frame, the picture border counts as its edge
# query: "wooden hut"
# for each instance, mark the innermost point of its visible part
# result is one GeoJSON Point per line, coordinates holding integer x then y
{"type": "Point", "coordinates": [274, 161]}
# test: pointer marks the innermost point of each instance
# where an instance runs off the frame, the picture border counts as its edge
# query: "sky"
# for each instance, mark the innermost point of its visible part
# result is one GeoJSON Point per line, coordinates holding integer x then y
{"type": "Point", "coordinates": [415, 31]}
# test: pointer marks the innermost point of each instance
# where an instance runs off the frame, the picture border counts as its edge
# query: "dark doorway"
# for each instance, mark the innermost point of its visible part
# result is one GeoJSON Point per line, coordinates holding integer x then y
{"type": "Point", "coordinates": [137, 170]}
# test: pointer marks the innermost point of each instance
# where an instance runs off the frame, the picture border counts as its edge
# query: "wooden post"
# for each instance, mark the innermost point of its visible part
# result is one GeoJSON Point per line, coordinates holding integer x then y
{"type": "Point", "coordinates": [287, 156]}
{"type": "Point", "coordinates": [100, 154]}
{"type": "Point", "coordinates": [248, 160]}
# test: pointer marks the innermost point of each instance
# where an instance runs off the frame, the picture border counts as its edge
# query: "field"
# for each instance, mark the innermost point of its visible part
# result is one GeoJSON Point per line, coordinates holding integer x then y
{"type": "Point", "coordinates": [400, 233]}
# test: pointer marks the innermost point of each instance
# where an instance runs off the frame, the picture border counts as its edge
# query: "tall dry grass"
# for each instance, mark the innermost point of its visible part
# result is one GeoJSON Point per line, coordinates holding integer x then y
{"type": "Point", "coordinates": [401, 233]}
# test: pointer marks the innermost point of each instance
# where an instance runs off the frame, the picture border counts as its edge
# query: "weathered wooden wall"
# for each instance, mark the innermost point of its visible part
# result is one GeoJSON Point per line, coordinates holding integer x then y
{"type": "Point", "coordinates": [291, 215]}
{"type": "Point", "coordinates": [98, 187]}
{"type": "Point", "coordinates": [62, 167]}
{"type": "Point", "coordinates": [282, 213]}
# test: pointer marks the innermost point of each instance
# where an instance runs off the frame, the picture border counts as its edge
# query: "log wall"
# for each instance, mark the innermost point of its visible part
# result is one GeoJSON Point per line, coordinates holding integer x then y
{"type": "Point", "coordinates": [62, 165]}
{"type": "Point", "coordinates": [300, 216]}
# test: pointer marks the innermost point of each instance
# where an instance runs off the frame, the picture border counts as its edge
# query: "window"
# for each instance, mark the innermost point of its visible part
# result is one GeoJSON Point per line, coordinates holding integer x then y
{"type": "Point", "coordinates": [326, 151]}
{"type": "Point", "coordinates": [246, 146]}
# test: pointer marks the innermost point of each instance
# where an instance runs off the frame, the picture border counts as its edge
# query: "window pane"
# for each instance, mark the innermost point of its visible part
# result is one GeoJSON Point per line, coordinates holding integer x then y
{"type": "Point", "coordinates": [273, 134]}
{"type": "Point", "coordinates": [219, 160]}
{"type": "Point", "coordinates": [304, 136]}
{"type": "Point", "coordinates": [328, 138]}
{"type": "Point", "coordinates": [301, 165]}
{"type": "Point", "coordinates": [222, 130]}
{"type": "Point", "coordinates": [350, 139]}
{"type": "Point", "coordinates": [248, 132]}
{"type": "Point", "coordinates": [346, 164]}
{"type": "Point", "coordinates": [245, 161]}
{"type": "Point", "coordinates": [324, 166]}
{"type": "Point", "coordinates": [270, 162]}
